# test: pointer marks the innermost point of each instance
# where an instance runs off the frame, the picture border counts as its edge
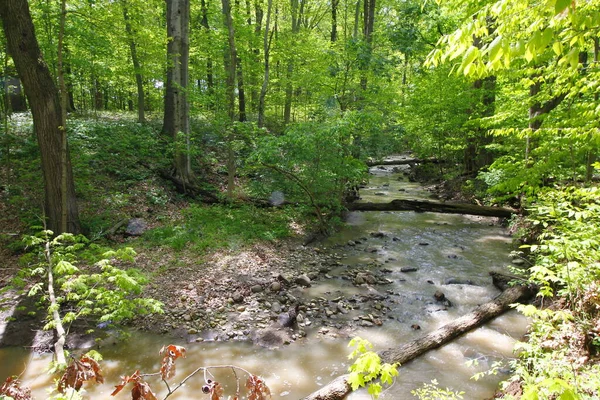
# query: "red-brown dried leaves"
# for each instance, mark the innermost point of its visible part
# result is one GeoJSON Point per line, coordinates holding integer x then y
{"type": "Point", "coordinates": [140, 391]}
{"type": "Point", "coordinates": [12, 388]}
{"type": "Point", "coordinates": [171, 353]}
{"type": "Point", "coordinates": [214, 389]}
{"type": "Point", "coordinates": [257, 389]}
{"type": "Point", "coordinates": [79, 371]}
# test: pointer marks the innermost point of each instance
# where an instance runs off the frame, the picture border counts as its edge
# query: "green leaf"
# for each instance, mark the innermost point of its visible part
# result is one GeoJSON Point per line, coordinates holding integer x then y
{"type": "Point", "coordinates": [561, 5]}
{"type": "Point", "coordinates": [495, 49]}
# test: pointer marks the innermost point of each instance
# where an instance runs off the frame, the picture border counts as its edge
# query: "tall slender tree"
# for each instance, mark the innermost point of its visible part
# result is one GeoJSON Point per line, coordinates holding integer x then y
{"type": "Point", "coordinates": [139, 80]}
{"type": "Point", "coordinates": [44, 101]}
{"type": "Point", "coordinates": [176, 118]}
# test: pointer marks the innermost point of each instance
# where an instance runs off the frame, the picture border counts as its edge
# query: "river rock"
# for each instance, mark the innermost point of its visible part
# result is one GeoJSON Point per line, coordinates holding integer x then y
{"type": "Point", "coordinates": [351, 243]}
{"type": "Point", "coordinates": [439, 295]}
{"type": "Point", "coordinates": [256, 289]}
{"type": "Point", "coordinates": [378, 234]}
{"type": "Point", "coordinates": [136, 227]}
{"type": "Point", "coordinates": [303, 280]}
{"type": "Point", "coordinates": [237, 297]}
{"type": "Point", "coordinates": [408, 269]}
{"type": "Point", "coordinates": [360, 279]}
{"type": "Point", "coordinates": [456, 281]}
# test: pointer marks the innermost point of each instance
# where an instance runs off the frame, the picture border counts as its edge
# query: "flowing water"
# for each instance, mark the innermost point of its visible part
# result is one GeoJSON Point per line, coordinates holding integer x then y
{"type": "Point", "coordinates": [451, 253]}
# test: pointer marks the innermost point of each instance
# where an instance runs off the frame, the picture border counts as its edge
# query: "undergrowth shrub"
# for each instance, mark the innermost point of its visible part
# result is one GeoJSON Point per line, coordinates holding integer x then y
{"type": "Point", "coordinates": [311, 164]}
{"type": "Point", "coordinates": [559, 360]}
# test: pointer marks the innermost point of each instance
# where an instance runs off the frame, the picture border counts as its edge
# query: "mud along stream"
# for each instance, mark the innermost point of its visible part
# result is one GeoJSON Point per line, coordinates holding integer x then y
{"type": "Point", "coordinates": [389, 266]}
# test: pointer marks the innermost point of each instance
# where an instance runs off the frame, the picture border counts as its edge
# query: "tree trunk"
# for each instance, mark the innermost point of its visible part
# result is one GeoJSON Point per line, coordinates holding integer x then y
{"type": "Point", "coordinates": [289, 91]}
{"type": "Point", "coordinates": [176, 119]}
{"type": "Point", "coordinates": [44, 101]}
{"type": "Point", "coordinates": [231, 60]}
{"type": "Point", "coordinates": [368, 24]}
{"type": "Point", "coordinates": [230, 57]}
{"type": "Point", "coordinates": [430, 206]}
{"type": "Point", "coordinates": [265, 84]}
{"type": "Point", "coordinates": [334, 5]}
{"type": "Point", "coordinates": [209, 64]}
{"type": "Point", "coordinates": [139, 82]}
{"type": "Point", "coordinates": [339, 388]}
{"type": "Point", "coordinates": [536, 110]}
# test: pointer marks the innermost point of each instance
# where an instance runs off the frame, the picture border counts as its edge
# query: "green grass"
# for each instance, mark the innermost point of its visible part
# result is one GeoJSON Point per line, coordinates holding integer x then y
{"type": "Point", "coordinates": [221, 226]}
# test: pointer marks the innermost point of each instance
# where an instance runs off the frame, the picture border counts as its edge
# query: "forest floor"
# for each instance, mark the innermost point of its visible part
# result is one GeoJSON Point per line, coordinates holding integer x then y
{"type": "Point", "coordinates": [242, 292]}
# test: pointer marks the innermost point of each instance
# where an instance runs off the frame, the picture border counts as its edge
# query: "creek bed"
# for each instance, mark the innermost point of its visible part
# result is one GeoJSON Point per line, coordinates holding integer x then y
{"type": "Point", "coordinates": [413, 255]}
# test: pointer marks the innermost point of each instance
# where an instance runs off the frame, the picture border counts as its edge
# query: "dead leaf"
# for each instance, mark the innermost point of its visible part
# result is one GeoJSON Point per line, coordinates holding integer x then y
{"type": "Point", "coordinates": [12, 388]}
{"type": "Point", "coordinates": [125, 380]}
{"type": "Point", "coordinates": [78, 372]}
{"type": "Point", "coordinates": [257, 389]}
{"type": "Point", "coordinates": [171, 353]}
{"type": "Point", "coordinates": [141, 391]}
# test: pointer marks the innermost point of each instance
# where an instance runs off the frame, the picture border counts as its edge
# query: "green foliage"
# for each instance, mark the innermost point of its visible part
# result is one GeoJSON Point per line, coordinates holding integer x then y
{"type": "Point", "coordinates": [367, 370]}
{"type": "Point", "coordinates": [431, 391]}
{"type": "Point", "coordinates": [553, 362]}
{"type": "Point", "coordinates": [222, 226]}
{"type": "Point", "coordinates": [568, 248]}
{"type": "Point", "coordinates": [311, 162]}
{"type": "Point", "coordinates": [102, 292]}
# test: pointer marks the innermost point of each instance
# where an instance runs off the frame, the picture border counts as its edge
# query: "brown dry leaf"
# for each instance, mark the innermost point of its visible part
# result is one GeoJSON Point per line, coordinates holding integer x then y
{"type": "Point", "coordinates": [216, 391]}
{"type": "Point", "coordinates": [141, 391]}
{"type": "Point", "coordinates": [78, 372]}
{"type": "Point", "coordinates": [257, 389]}
{"type": "Point", "coordinates": [125, 380]}
{"type": "Point", "coordinates": [171, 353]}
{"type": "Point", "coordinates": [11, 388]}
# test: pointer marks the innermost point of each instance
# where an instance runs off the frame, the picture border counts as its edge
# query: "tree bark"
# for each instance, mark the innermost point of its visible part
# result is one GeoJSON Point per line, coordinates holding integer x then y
{"type": "Point", "coordinates": [430, 206]}
{"type": "Point", "coordinates": [230, 57]}
{"type": "Point", "coordinates": [266, 51]}
{"type": "Point", "coordinates": [339, 388]}
{"type": "Point", "coordinates": [176, 119]}
{"type": "Point", "coordinates": [334, 5]}
{"type": "Point", "coordinates": [209, 63]}
{"type": "Point", "coordinates": [44, 101]}
{"type": "Point", "coordinates": [139, 82]}
{"type": "Point", "coordinates": [287, 108]}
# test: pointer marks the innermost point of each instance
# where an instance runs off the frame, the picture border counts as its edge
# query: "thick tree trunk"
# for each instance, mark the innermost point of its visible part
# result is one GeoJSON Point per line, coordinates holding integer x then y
{"type": "Point", "coordinates": [45, 107]}
{"type": "Point", "coordinates": [339, 388]}
{"type": "Point", "coordinates": [176, 119]}
{"type": "Point", "coordinates": [430, 206]}
{"type": "Point", "coordinates": [139, 82]}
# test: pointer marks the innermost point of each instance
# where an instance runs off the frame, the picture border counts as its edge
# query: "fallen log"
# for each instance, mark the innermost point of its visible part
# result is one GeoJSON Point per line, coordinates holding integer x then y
{"type": "Point", "coordinates": [339, 388]}
{"type": "Point", "coordinates": [432, 206]}
{"type": "Point", "coordinates": [403, 161]}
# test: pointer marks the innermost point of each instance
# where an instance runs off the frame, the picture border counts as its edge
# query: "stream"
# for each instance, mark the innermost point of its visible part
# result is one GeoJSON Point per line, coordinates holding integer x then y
{"type": "Point", "coordinates": [417, 253]}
